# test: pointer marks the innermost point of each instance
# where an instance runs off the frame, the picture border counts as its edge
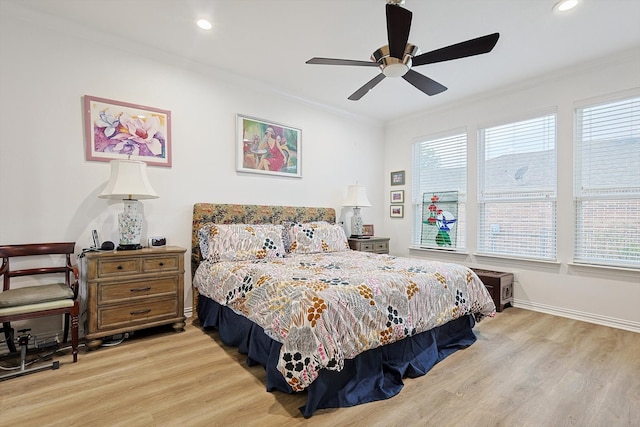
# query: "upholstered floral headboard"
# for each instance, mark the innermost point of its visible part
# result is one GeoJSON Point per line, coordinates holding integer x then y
{"type": "Point", "coordinates": [205, 213]}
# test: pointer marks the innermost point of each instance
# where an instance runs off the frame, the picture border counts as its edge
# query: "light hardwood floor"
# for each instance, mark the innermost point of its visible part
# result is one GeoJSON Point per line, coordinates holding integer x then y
{"type": "Point", "coordinates": [526, 369]}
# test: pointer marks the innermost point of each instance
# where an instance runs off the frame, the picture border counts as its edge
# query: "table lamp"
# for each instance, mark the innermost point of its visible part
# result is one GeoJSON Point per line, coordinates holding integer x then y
{"type": "Point", "coordinates": [357, 198]}
{"type": "Point", "coordinates": [129, 182]}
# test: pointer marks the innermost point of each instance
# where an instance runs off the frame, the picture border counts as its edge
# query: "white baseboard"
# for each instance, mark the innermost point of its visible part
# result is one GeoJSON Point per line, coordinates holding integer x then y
{"type": "Point", "coordinates": [612, 322]}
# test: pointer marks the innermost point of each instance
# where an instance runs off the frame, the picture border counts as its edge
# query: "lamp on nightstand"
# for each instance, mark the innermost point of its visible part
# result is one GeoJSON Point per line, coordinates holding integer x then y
{"type": "Point", "coordinates": [357, 198]}
{"type": "Point", "coordinates": [129, 182]}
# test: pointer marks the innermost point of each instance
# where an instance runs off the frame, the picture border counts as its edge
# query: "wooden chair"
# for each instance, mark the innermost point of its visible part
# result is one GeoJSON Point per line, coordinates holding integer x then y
{"type": "Point", "coordinates": [33, 299]}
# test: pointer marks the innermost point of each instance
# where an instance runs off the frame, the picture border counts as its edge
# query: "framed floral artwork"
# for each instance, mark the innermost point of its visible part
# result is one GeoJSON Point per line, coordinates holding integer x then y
{"type": "Point", "coordinates": [397, 178]}
{"type": "Point", "coordinates": [396, 211]}
{"type": "Point", "coordinates": [267, 147]}
{"type": "Point", "coordinates": [120, 130]}
{"type": "Point", "coordinates": [397, 196]}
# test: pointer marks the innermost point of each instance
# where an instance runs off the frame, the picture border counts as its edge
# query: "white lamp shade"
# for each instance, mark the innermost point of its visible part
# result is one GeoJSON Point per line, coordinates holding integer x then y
{"type": "Point", "coordinates": [128, 181]}
{"type": "Point", "coordinates": [356, 196]}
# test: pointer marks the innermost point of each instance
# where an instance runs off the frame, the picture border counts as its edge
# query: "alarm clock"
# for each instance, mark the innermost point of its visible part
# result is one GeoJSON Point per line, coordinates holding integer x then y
{"type": "Point", "coordinates": [157, 241]}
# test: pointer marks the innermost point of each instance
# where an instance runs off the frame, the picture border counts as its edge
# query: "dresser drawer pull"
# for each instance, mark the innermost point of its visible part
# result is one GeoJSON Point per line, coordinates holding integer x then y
{"type": "Point", "coordinates": [119, 267]}
{"type": "Point", "coordinates": [161, 264]}
{"type": "Point", "coordinates": [140, 289]}
{"type": "Point", "coordinates": [140, 311]}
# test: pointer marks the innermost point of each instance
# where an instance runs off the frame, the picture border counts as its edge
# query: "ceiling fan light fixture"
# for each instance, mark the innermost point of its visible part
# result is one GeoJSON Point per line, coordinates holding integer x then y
{"type": "Point", "coordinates": [565, 5]}
{"type": "Point", "coordinates": [397, 69]}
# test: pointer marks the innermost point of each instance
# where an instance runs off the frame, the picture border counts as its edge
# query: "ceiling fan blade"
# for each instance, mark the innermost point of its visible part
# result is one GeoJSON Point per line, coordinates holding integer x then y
{"type": "Point", "coordinates": [398, 27]}
{"type": "Point", "coordinates": [367, 87]}
{"type": "Point", "coordinates": [471, 47]}
{"type": "Point", "coordinates": [424, 83]}
{"type": "Point", "coordinates": [335, 61]}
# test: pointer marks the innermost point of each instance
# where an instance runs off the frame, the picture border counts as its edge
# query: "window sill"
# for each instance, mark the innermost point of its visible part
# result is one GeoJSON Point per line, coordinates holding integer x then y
{"type": "Point", "coordinates": [513, 264]}
{"type": "Point", "coordinates": [438, 250]}
{"type": "Point", "coordinates": [536, 261]}
{"type": "Point", "coordinates": [605, 271]}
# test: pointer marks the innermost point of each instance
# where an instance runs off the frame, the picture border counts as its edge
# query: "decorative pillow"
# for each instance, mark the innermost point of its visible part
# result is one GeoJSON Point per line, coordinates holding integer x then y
{"type": "Point", "coordinates": [203, 240]}
{"type": "Point", "coordinates": [240, 242]}
{"type": "Point", "coordinates": [314, 237]}
{"type": "Point", "coordinates": [286, 238]}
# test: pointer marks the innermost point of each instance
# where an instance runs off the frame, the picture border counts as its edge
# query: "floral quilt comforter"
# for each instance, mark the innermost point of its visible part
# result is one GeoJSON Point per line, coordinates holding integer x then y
{"type": "Point", "coordinates": [325, 308]}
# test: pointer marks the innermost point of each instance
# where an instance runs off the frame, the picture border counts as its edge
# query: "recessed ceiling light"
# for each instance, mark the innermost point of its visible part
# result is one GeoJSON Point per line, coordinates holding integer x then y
{"type": "Point", "coordinates": [204, 24]}
{"type": "Point", "coordinates": [564, 5]}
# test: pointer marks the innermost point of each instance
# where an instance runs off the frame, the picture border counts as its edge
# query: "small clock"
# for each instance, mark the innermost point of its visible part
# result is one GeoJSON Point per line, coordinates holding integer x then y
{"type": "Point", "coordinates": [157, 241]}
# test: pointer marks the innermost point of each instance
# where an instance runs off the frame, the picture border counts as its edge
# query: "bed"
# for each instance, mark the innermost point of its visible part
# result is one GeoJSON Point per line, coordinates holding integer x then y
{"type": "Point", "coordinates": [281, 284]}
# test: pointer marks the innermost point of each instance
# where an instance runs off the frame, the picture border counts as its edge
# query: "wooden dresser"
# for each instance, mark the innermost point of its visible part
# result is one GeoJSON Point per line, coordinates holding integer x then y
{"type": "Point", "coordinates": [131, 290]}
{"type": "Point", "coordinates": [378, 245]}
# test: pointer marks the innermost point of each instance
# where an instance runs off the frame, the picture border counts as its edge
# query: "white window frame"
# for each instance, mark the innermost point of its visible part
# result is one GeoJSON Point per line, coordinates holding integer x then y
{"type": "Point", "coordinates": [596, 245]}
{"type": "Point", "coordinates": [458, 136]}
{"type": "Point", "coordinates": [493, 240]}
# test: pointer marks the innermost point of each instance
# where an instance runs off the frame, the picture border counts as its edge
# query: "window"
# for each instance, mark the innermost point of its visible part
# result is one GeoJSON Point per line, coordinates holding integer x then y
{"type": "Point", "coordinates": [607, 183]}
{"type": "Point", "coordinates": [439, 192]}
{"type": "Point", "coordinates": [517, 189]}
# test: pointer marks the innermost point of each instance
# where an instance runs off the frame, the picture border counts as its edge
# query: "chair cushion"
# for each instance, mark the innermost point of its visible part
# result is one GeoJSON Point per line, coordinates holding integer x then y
{"type": "Point", "coordinates": [35, 294]}
{"type": "Point", "coordinates": [34, 308]}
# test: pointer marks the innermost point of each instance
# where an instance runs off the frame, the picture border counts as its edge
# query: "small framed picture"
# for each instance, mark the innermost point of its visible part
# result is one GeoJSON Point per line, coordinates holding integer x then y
{"type": "Point", "coordinates": [397, 196]}
{"type": "Point", "coordinates": [397, 211]}
{"type": "Point", "coordinates": [397, 178]}
{"type": "Point", "coordinates": [367, 230]}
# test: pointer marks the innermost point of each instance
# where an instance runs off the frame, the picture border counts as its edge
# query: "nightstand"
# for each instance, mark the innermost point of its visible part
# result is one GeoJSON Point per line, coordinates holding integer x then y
{"type": "Point", "coordinates": [131, 290]}
{"type": "Point", "coordinates": [377, 245]}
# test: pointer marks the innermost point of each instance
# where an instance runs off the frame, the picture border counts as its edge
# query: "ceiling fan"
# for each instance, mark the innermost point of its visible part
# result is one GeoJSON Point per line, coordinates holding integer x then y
{"type": "Point", "coordinates": [397, 58]}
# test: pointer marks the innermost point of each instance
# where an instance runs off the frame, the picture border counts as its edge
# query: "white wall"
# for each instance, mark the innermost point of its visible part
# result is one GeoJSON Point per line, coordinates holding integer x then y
{"type": "Point", "coordinates": [49, 191]}
{"type": "Point", "coordinates": [606, 296]}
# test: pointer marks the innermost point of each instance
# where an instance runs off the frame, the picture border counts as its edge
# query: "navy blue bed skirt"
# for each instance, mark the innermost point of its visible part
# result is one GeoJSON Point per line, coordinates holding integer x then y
{"type": "Point", "coordinates": [373, 375]}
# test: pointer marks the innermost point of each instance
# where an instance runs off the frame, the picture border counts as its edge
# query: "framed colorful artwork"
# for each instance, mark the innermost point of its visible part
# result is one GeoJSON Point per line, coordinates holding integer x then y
{"type": "Point", "coordinates": [367, 230]}
{"type": "Point", "coordinates": [396, 211]}
{"type": "Point", "coordinates": [397, 196]}
{"type": "Point", "coordinates": [439, 220]}
{"type": "Point", "coordinates": [267, 147]}
{"type": "Point", "coordinates": [120, 130]}
{"type": "Point", "coordinates": [397, 178]}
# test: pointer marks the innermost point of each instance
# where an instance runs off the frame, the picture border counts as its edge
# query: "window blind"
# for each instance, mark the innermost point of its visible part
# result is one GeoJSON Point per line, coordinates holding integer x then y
{"type": "Point", "coordinates": [440, 170]}
{"type": "Point", "coordinates": [517, 189]}
{"type": "Point", "coordinates": [607, 183]}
